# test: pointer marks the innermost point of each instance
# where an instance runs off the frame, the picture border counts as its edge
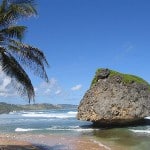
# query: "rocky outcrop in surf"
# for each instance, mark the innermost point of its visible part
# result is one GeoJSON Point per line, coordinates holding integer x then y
{"type": "Point", "coordinates": [115, 99]}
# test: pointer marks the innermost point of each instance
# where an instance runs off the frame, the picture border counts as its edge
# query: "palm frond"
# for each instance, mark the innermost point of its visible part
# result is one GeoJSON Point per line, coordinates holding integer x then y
{"type": "Point", "coordinates": [3, 6]}
{"type": "Point", "coordinates": [21, 1]}
{"type": "Point", "coordinates": [14, 53]}
{"type": "Point", "coordinates": [12, 10]}
{"type": "Point", "coordinates": [14, 32]}
{"type": "Point", "coordinates": [24, 8]}
{"type": "Point", "coordinates": [13, 69]}
{"type": "Point", "coordinates": [2, 50]}
{"type": "Point", "coordinates": [31, 57]}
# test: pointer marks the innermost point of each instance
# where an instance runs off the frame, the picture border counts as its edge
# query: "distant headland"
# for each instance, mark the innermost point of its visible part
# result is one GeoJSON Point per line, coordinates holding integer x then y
{"type": "Point", "coordinates": [7, 108]}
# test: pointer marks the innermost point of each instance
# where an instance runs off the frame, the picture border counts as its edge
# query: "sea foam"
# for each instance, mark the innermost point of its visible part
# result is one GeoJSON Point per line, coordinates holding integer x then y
{"type": "Point", "coordinates": [25, 130]}
{"type": "Point", "coordinates": [50, 115]}
{"type": "Point", "coordinates": [69, 129]}
{"type": "Point", "coordinates": [72, 112]}
{"type": "Point", "coordinates": [140, 131]}
{"type": "Point", "coordinates": [57, 128]}
{"type": "Point", "coordinates": [147, 117]}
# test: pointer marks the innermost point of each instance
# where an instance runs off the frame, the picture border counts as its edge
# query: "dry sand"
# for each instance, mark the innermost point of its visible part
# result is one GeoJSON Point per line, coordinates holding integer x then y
{"type": "Point", "coordinates": [48, 142]}
{"type": "Point", "coordinates": [9, 144]}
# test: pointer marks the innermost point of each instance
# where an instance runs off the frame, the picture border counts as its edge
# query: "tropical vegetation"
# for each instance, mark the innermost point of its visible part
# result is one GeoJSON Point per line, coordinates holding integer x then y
{"type": "Point", "coordinates": [16, 56]}
{"type": "Point", "coordinates": [126, 78]}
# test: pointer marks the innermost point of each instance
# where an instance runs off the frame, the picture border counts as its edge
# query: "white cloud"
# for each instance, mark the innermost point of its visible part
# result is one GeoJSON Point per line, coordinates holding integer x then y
{"type": "Point", "coordinates": [58, 92]}
{"type": "Point", "coordinates": [48, 88]}
{"type": "Point", "coordinates": [5, 81]}
{"type": "Point", "coordinates": [76, 87]}
{"type": "Point", "coordinates": [47, 91]}
{"type": "Point", "coordinates": [44, 91]}
{"type": "Point", "coordinates": [6, 89]}
{"type": "Point", "coordinates": [52, 82]}
{"type": "Point", "coordinates": [35, 89]}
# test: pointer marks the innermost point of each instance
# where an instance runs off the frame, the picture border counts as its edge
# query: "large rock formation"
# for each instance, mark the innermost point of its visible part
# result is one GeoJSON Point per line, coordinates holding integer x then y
{"type": "Point", "coordinates": [115, 99]}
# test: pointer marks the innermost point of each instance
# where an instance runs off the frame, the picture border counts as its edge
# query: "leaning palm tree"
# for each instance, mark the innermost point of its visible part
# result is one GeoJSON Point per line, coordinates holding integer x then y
{"type": "Point", "coordinates": [14, 54]}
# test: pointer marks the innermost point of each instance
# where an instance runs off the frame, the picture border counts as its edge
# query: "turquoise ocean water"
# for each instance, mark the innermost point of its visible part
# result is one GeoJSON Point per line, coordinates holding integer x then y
{"type": "Point", "coordinates": [64, 122]}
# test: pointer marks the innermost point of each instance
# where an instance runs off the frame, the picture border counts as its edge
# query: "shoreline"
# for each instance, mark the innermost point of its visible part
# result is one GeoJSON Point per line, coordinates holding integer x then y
{"type": "Point", "coordinates": [48, 142]}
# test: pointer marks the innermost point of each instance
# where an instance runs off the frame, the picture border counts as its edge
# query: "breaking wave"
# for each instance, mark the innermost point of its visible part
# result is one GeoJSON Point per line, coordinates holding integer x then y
{"type": "Point", "coordinates": [25, 130]}
{"type": "Point", "coordinates": [140, 131]}
{"type": "Point", "coordinates": [50, 115]}
{"type": "Point", "coordinates": [57, 128]}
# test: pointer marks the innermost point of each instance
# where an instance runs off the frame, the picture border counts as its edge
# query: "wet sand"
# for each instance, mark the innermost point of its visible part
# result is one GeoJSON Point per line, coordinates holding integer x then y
{"type": "Point", "coordinates": [48, 142]}
{"type": "Point", "coordinates": [9, 144]}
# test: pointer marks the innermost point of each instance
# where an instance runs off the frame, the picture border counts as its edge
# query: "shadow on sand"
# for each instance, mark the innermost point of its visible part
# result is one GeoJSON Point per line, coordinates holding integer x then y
{"type": "Point", "coordinates": [17, 147]}
{"type": "Point", "coordinates": [37, 147]}
{"type": "Point", "coordinates": [55, 147]}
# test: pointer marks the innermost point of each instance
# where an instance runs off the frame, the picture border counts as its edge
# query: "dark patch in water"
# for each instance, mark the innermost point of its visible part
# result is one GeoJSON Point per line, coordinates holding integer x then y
{"type": "Point", "coordinates": [142, 122]}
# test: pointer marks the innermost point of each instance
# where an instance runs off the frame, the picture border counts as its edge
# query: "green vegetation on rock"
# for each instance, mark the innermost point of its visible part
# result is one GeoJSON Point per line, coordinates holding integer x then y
{"type": "Point", "coordinates": [94, 81]}
{"type": "Point", "coordinates": [126, 78]}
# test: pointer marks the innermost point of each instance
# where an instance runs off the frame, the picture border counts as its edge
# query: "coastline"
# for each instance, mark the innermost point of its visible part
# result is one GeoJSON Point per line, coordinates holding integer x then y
{"type": "Point", "coordinates": [59, 130]}
{"type": "Point", "coordinates": [48, 142]}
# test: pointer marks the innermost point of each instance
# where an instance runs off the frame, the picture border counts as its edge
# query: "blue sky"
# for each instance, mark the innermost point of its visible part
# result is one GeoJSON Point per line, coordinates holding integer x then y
{"type": "Point", "coordinates": [79, 36]}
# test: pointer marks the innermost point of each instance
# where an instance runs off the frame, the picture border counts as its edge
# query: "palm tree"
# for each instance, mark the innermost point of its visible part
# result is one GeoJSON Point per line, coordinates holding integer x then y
{"type": "Point", "coordinates": [14, 54]}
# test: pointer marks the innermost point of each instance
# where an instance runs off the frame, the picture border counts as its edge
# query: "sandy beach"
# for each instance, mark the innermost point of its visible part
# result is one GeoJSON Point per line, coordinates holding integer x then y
{"type": "Point", "coordinates": [10, 144]}
{"type": "Point", "coordinates": [48, 142]}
